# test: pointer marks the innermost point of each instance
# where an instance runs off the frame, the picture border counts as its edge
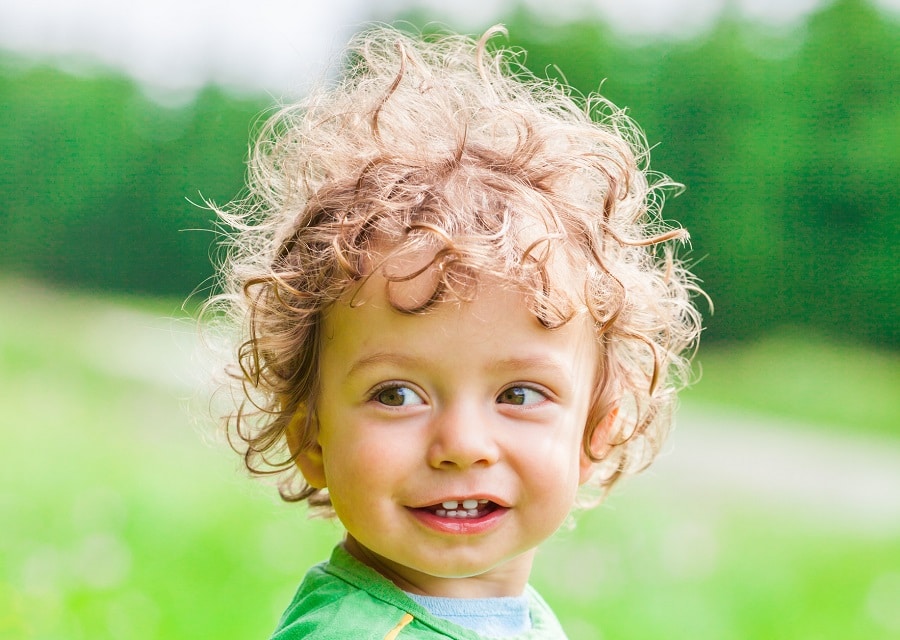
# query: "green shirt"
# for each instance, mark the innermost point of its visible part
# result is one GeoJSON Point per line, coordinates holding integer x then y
{"type": "Point", "coordinates": [343, 599]}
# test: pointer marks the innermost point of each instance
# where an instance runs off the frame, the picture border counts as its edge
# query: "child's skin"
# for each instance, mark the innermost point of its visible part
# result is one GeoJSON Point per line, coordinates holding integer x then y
{"type": "Point", "coordinates": [473, 400]}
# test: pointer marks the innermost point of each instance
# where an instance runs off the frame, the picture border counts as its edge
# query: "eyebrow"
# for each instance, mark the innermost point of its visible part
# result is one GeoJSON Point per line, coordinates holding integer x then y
{"type": "Point", "coordinates": [383, 357]}
{"type": "Point", "coordinates": [526, 363]}
{"type": "Point", "coordinates": [530, 363]}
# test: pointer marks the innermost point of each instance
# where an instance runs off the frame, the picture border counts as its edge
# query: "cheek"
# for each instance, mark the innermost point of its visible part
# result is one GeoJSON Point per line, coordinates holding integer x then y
{"type": "Point", "coordinates": [552, 459]}
{"type": "Point", "coordinates": [344, 461]}
{"type": "Point", "coordinates": [358, 463]}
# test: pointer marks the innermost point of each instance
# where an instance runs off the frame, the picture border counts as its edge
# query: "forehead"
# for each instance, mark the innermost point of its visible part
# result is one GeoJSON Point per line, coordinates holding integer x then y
{"type": "Point", "coordinates": [496, 323]}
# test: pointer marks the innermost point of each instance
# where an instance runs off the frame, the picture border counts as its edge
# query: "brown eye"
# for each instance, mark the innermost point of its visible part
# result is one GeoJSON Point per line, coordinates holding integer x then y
{"type": "Point", "coordinates": [398, 396]}
{"type": "Point", "coordinates": [520, 396]}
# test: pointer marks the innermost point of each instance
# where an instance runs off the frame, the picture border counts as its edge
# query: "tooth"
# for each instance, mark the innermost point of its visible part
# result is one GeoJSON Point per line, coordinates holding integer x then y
{"type": "Point", "coordinates": [483, 502]}
{"type": "Point", "coordinates": [473, 512]}
{"type": "Point", "coordinates": [450, 504]}
{"type": "Point", "coordinates": [440, 513]}
{"type": "Point", "coordinates": [470, 504]}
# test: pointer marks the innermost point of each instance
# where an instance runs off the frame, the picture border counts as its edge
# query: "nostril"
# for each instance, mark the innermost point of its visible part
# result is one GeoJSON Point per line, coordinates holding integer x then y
{"type": "Point", "coordinates": [452, 464]}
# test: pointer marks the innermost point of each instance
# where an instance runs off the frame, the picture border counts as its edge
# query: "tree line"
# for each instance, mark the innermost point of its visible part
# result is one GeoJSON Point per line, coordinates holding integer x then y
{"type": "Point", "coordinates": [789, 145]}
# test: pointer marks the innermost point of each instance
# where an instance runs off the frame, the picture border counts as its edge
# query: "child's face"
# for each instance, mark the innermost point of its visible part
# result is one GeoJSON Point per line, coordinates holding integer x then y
{"type": "Point", "coordinates": [474, 404]}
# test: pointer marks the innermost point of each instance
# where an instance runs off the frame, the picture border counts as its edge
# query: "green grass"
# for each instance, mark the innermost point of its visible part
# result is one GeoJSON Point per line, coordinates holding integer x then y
{"type": "Point", "coordinates": [124, 517]}
{"type": "Point", "coordinates": [798, 376]}
{"type": "Point", "coordinates": [646, 569]}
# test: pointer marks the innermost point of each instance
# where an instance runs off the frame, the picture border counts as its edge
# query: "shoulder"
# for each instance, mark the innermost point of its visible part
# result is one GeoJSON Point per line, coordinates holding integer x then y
{"type": "Point", "coordinates": [326, 606]}
{"type": "Point", "coordinates": [343, 599]}
{"type": "Point", "coordinates": [545, 625]}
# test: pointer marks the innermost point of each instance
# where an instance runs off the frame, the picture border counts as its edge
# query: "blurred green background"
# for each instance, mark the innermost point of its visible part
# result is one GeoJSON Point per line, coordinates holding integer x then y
{"type": "Point", "coordinates": [122, 514]}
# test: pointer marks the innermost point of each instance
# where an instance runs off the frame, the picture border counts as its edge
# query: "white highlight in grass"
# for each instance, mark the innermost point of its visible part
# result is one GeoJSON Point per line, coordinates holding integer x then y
{"type": "Point", "coordinates": [102, 561]}
{"type": "Point", "coordinates": [842, 482]}
{"type": "Point", "coordinates": [689, 551]}
{"type": "Point", "coordinates": [883, 602]}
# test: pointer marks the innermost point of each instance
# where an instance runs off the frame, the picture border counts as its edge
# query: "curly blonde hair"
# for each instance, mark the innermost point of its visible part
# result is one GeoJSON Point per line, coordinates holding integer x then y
{"type": "Point", "coordinates": [445, 144]}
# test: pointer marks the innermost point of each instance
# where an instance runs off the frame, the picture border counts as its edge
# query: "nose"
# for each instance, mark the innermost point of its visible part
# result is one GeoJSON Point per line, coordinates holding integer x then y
{"type": "Point", "coordinates": [462, 436]}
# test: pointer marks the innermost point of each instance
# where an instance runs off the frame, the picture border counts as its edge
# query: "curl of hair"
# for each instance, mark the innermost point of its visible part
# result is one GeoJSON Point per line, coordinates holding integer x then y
{"type": "Point", "coordinates": [444, 144]}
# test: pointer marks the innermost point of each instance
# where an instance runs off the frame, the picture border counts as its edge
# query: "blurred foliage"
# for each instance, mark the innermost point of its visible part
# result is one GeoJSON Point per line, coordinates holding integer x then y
{"type": "Point", "coordinates": [789, 144]}
{"type": "Point", "coordinates": [101, 185]}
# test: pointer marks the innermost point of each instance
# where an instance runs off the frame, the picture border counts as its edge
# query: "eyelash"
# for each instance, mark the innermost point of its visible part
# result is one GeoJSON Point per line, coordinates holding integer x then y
{"type": "Point", "coordinates": [387, 386]}
{"type": "Point", "coordinates": [543, 394]}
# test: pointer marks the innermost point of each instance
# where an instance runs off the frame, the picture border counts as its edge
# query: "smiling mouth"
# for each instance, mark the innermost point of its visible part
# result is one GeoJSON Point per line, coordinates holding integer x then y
{"type": "Point", "coordinates": [463, 509]}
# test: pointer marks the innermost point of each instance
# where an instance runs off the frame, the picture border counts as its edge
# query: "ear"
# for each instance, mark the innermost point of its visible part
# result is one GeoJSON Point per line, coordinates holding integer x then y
{"type": "Point", "coordinates": [307, 457]}
{"type": "Point", "coordinates": [599, 445]}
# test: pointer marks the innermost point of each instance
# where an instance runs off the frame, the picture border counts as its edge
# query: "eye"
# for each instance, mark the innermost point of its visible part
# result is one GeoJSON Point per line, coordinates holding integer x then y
{"type": "Point", "coordinates": [521, 396]}
{"type": "Point", "coordinates": [397, 396]}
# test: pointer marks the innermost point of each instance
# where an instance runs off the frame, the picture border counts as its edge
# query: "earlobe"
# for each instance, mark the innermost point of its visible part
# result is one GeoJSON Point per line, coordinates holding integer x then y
{"type": "Point", "coordinates": [310, 464]}
{"type": "Point", "coordinates": [307, 457]}
{"type": "Point", "coordinates": [599, 444]}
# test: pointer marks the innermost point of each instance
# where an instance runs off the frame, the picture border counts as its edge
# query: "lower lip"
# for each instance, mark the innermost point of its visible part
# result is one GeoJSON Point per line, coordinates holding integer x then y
{"type": "Point", "coordinates": [460, 526]}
